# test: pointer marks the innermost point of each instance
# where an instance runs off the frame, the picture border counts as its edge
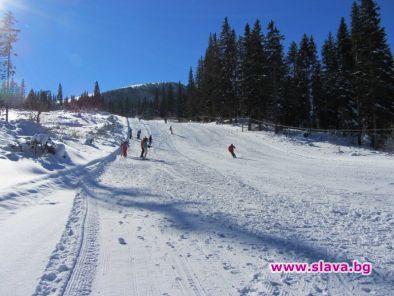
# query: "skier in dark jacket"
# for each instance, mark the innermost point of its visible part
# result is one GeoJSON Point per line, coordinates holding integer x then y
{"type": "Point", "coordinates": [231, 150]}
{"type": "Point", "coordinates": [138, 134]}
{"type": "Point", "coordinates": [150, 141]}
{"type": "Point", "coordinates": [144, 147]}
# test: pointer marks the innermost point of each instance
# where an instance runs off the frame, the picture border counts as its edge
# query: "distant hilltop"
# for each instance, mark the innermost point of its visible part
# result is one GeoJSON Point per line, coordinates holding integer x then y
{"type": "Point", "coordinates": [137, 92]}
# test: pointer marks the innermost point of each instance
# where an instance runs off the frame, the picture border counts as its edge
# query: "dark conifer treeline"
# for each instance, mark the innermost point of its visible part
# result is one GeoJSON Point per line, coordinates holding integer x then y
{"type": "Point", "coordinates": [148, 100]}
{"type": "Point", "coordinates": [351, 87]}
{"type": "Point", "coordinates": [42, 101]}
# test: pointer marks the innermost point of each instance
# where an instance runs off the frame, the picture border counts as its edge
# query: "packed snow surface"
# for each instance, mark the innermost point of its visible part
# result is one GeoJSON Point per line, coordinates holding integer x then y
{"type": "Point", "coordinates": [190, 219]}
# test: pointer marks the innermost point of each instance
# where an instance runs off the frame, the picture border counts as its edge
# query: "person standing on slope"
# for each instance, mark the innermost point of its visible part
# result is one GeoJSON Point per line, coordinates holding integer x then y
{"type": "Point", "coordinates": [138, 134]}
{"type": "Point", "coordinates": [146, 146]}
{"type": "Point", "coordinates": [171, 130]}
{"type": "Point", "coordinates": [124, 148]}
{"type": "Point", "coordinates": [150, 141]}
{"type": "Point", "coordinates": [231, 150]}
{"type": "Point", "coordinates": [142, 147]}
{"type": "Point", "coordinates": [130, 132]}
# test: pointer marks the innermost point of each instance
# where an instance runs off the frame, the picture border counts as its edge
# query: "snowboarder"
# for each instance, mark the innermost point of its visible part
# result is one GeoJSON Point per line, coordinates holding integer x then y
{"type": "Point", "coordinates": [138, 134]}
{"type": "Point", "coordinates": [144, 147]}
{"type": "Point", "coordinates": [150, 141]}
{"type": "Point", "coordinates": [231, 150]}
{"type": "Point", "coordinates": [171, 130]}
{"type": "Point", "coordinates": [124, 148]}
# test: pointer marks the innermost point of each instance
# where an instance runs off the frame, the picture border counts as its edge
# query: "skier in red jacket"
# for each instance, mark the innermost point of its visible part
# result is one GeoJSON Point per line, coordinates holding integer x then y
{"type": "Point", "coordinates": [231, 150]}
{"type": "Point", "coordinates": [124, 148]}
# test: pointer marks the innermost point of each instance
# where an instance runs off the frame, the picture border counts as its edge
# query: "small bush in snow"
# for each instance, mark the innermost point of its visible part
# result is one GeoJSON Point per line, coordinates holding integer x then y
{"type": "Point", "coordinates": [89, 140]}
{"type": "Point", "coordinates": [43, 144]}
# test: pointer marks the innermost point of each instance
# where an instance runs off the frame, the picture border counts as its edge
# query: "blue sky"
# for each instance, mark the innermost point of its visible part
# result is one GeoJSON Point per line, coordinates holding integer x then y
{"type": "Point", "coordinates": [119, 43]}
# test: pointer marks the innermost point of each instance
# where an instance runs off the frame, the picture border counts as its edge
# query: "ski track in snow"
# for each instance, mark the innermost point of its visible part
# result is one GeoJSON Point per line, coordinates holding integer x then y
{"type": "Point", "coordinates": [71, 267]}
{"type": "Point", "coordinates": [190, 220]}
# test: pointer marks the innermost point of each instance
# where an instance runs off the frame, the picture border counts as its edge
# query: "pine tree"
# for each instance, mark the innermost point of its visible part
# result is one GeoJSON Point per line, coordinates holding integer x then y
{"type": "Point", "coordinates": [212, 75]}
{"type": "Point", "coordinates": [252, 72]}
{"type": "Point", "coordinates": [180, 102]}
{"type": "Point", "coordinates": [97, 99]}
{"type": "Point", "coordinates": [36, 102]}
{"type": "Point", "coordinates": [344, 77]}
{"type": "Point", "coordinates": [317, 92]}
{"type": "Point", "coordinates": [373, 69]}
{"type": "Point", "coordinates": [328, 110]}
{"type": "Point", "coordinates": [163, 103]}
{"type": "Point", "coordinates": [290, 86]}
{"type": "Point", "coordinates": [156, 102]}
{"type": "Point", "coordinates": [59, 96]}
{"type": "Point", "coordinates": [23, 89]}
{"type": "Point", "coordinates": [198, 105]}
{"type": "Point", "coordinates": [8, 35]}
{"type": "Point", "coordinates": [276, 71]}
{"type": "Point", "coordinates": [259, 102]}
{"type": "Point", "coordinates": [228, 55]}
{"type": "Point", "coordinates": [170, 100]}
{"type": "Point", "coordinates": [191, 107]}
{"type": "Point", "coordinates": [30, 100]}
{"type": "Point", "coordinates": [306, 74]}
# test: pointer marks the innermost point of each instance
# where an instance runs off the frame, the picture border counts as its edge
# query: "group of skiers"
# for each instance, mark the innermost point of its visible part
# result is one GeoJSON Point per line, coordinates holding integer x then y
{"type": "Point", "coordinates": [130, 133]}
{"type": "Point", "coordinates": [147, 143]}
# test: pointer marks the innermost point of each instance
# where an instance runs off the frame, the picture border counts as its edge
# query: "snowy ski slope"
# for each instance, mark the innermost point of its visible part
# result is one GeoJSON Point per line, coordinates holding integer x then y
{"type": "Point", "coordinates": [191, 220]}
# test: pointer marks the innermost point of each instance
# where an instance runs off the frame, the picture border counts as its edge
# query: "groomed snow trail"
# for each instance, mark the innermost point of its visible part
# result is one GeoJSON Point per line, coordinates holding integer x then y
{"type": "Point", "coordinates": [190, 220]}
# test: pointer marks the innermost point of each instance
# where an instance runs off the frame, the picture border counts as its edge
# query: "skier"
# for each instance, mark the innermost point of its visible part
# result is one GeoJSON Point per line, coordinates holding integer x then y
{"type": "Point", "coordinates": [144, 147]}
{"type": "Point", "coordinates": [150, 141]}
{"type": "Point", "coordinates": [171, 130]}
{"type": "Point", "coordinates": [231, 150]}
{"type": "Point", "coordinates": [138, 134]}
{"type": "Point", "coordinates": [130, 133]}
{"type": "Point", "coordinates": [124, 148]}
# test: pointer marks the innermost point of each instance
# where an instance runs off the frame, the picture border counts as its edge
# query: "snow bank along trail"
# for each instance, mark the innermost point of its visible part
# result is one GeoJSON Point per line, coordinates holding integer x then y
{"type": "Point", "coordinates": [46, 200]}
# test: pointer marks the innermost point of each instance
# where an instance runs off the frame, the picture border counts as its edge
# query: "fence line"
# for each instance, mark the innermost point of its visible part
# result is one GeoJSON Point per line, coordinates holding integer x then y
{"type": "Point", "coordinates": [322, 130]}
